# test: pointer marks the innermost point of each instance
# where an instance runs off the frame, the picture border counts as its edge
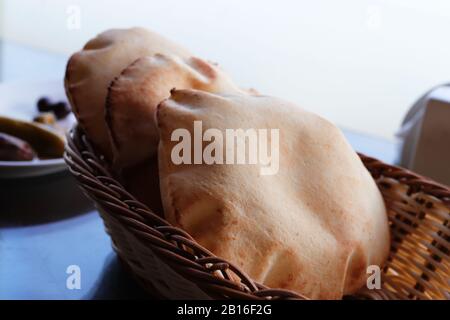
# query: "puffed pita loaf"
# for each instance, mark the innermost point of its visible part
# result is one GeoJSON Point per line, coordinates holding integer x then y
{"type": "Point", "coordinates": [134, 95]}
{"type": "Point", "coordinates": [313, 227]}
{"type": "Point", "coordinates": [90, 71]}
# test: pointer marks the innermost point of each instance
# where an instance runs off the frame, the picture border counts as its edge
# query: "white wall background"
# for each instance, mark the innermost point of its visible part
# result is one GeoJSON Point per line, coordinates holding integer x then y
{"type": "Point", "coordinates": [360, 63]}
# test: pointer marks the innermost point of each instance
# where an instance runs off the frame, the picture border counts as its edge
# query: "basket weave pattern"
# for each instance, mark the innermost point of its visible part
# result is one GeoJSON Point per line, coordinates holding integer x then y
{"type": "Point", "coordinates": [169, 263]}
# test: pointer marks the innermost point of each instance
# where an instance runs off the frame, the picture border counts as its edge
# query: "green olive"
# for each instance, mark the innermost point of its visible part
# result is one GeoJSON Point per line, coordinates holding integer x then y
{"type": "Point", "coordinates": [45, 142]}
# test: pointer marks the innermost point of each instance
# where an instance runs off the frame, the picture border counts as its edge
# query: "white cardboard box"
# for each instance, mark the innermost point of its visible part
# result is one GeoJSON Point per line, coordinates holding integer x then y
{"type": "Point", "coordinates": [426, 134]}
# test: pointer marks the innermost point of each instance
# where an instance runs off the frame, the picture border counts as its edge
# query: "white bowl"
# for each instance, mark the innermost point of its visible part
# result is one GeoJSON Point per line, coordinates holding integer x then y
{"type": "Point", "coordinates": [18, 100]}
{"type": "Point", "coordinates": [21, 169]}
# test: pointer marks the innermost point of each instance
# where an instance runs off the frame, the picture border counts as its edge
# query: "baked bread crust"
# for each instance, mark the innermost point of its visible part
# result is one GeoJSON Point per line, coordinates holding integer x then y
{"type": "Point", "coordinates": [90, 71]}
{"type": "Point", "coordinates": [134, 96]}
{"type": "Point", "coordinates": [313, 227]}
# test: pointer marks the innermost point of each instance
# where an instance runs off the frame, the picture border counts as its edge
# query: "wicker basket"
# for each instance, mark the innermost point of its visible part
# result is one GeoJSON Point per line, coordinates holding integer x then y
{"type": "Point", "coordinates": [169, 263]}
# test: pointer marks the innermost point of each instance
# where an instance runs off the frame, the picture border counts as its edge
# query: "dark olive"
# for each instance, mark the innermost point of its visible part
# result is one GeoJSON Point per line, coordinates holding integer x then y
{"type": "Point", "coordinates": [44, 105]}
{"type": "Point", "coordinates": [15, 149]}
{"type": "Point", "coordinates": [61, 110]}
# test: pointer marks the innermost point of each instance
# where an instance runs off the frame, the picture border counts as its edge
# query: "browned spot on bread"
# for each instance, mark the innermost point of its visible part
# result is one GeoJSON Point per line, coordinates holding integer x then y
{"type": "Point", "coordinates": [357, 269]}
{"type": "Point", "coordinates": [286, 282]}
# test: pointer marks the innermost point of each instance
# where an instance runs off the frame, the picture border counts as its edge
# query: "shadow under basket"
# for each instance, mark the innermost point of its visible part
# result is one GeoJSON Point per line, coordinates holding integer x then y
{"type": "Point", "coordinates": [168, 262]}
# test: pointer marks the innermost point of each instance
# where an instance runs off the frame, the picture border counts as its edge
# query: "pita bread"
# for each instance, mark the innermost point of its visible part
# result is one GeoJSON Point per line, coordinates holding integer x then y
{"type": "Point", "coordinates": [142, 181]}
{"type": "Point", "coordinates": [90, 71]}
{"type": "Point", "coordinates": [313, 227]}
{"type": "Point", "coordinates": [134, 95]}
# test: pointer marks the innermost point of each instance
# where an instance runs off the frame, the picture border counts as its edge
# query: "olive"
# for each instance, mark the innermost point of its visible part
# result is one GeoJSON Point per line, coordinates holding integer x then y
{"type": "Point", "coordinates": [15, 149]}
{"type": "Point", "coordinates": [61, 110]}
{"type": "Point", "coordinates": [44, 105]}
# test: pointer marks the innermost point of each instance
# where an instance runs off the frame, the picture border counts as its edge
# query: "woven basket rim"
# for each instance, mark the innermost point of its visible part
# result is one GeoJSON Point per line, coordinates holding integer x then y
{"type": "Point", "coordinates": [415, 181]}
